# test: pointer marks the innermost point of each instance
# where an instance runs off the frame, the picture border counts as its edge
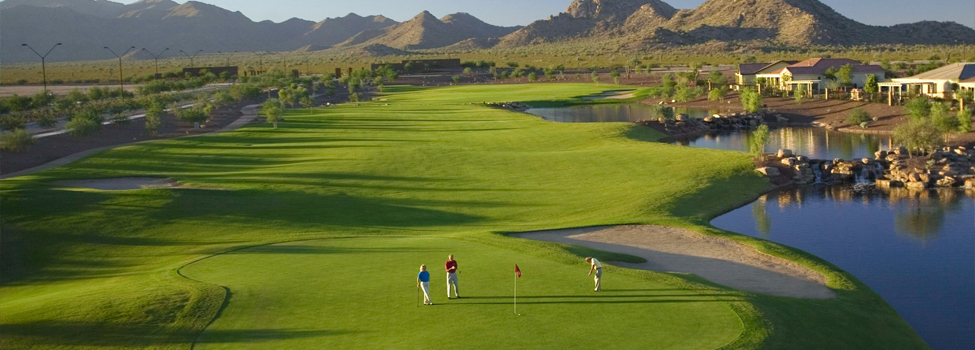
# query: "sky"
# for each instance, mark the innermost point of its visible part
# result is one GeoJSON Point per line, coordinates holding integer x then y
{"type": "Point", "coordinates": [523, 12]}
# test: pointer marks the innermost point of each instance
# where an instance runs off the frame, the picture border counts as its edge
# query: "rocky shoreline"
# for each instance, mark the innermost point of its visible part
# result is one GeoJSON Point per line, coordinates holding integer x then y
{"type": "Point", "coordinates": [950, 167]}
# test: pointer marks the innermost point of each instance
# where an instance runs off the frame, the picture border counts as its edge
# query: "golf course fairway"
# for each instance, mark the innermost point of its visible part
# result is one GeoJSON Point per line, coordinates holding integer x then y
{"type": "Point", "coordinates": [310, 236]}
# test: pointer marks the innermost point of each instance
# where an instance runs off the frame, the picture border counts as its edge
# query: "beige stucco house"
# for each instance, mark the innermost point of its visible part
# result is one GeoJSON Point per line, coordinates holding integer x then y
{"type": "Point", "coordinates": [937, 83]}
{"type": "Point", "coordinates": [811, 74]}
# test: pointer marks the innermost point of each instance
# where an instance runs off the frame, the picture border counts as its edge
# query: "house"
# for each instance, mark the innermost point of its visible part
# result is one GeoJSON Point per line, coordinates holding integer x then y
{"type": "Point", "coordinates": [748, 72]}
{"type": "Point", "coordinates": [937, 83]}
{"type": "Point", "coordinates": [811, 74]}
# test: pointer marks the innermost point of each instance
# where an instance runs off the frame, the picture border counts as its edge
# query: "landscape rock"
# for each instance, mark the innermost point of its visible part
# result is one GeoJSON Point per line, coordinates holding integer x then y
{"type": "Point", "coordinates": [769, 171]}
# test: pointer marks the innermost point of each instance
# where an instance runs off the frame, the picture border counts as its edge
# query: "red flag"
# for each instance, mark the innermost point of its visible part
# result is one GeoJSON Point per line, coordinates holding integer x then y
{"type": "Point", "coordinates": [517, 271]}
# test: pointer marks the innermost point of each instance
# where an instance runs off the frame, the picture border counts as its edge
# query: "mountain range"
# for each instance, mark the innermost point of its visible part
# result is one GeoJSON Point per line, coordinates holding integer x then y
{"type": "Point", "coordinates": [86, 26]}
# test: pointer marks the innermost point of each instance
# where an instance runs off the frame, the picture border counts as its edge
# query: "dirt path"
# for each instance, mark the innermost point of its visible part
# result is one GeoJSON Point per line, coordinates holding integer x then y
{"type": "Point", "coordinates": [719, 260]}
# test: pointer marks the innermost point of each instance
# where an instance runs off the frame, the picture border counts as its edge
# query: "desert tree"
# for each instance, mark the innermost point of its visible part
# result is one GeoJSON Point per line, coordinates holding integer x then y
{"type": "Point", "coordinates": [751, 100]}
{"type": "Point", "coordinates": [918, 135]}
{"type": "Point", "coordinates": [716, 78]}
{"type": "Point", "coordinates": [963, 96]}
{"type": "Point", "coordinates": [918, 107]}
{"type": "Point", "coordinates": [718, 94]}
{"type": "Point", "coordinates": [942, 120]}
{"type": "Point", "coordinates": [273, 110]}
{"type": "Point", "coordinates": [964, 120]}
{"type": "Point", "coordinates": [871, 86]}
{"type": "Point", "coordinates": [760, 139]}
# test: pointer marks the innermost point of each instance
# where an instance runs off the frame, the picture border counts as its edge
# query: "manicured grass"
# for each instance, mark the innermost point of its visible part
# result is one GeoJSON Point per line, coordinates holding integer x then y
{"type": "Point", "coordinates": [430, 169]}
{"type": "Point", "coordinates": [359, 293]}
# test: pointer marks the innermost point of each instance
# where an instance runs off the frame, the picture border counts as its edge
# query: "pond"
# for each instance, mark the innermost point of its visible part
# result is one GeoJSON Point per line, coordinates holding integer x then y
{"type": "Point", "coordinates": [609, 113]}
{"type": "Point", "coordinates": [917, 250]}
{"type": "Point", "coordinates": [812, 142]}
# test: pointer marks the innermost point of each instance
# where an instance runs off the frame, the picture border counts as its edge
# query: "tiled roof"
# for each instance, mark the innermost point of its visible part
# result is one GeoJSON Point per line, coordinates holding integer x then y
{"type": "Point", "coordinates": [956, 71]}
{"type": "Point", "coordinates": [819, 66]}
{"type": "Point", "coordinates": [750, 68]}
{"type": "Point", "coordinates": [755, 68]}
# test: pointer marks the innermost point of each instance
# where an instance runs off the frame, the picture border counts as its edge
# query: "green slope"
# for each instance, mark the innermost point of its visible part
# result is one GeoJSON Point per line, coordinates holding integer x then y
{"type": "Point", "coordinates": [98, 269]}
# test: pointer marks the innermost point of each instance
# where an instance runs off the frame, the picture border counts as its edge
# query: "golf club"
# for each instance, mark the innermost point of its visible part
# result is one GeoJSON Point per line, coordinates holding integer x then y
{"type": "Point", "coordinates": [417, 295]}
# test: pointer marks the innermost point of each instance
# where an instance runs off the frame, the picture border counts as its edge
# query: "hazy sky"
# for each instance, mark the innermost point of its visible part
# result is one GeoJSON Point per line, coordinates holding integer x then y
{"type": "Point", "coordinates": [522, 12]}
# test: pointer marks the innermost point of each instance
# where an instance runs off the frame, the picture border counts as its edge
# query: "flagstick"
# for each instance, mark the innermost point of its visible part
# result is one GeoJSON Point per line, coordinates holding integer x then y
{"type": "Point", "coordinates": [516, 294]}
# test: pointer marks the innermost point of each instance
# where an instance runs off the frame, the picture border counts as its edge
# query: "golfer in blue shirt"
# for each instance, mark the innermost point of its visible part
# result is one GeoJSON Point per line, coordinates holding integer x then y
{"type": "Point", "coordinates": [423, 281]}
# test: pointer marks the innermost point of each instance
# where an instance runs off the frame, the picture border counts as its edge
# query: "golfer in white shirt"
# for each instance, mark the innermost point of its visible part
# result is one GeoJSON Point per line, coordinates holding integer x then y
{"type": "Point", "coordinates": [595, 266]}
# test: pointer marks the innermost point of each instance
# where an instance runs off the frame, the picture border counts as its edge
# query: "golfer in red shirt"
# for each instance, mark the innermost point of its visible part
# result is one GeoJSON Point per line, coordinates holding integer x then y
{"type": "Point", "coordinates": [451, 267]}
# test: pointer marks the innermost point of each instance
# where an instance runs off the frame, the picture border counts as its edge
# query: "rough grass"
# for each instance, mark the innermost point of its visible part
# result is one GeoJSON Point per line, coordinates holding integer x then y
{"type": "Point", "coordinates": [420, 172]}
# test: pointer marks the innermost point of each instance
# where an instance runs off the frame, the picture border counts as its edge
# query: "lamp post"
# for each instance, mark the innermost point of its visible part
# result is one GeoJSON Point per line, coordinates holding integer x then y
{"type": "Point", "coordinates": [260, 57]}
{"type": "Point", "coordinates": [227, 55]}
{"type": "Point", "coordinates": [191, 57]}
{"type": "Point", "coordinates": [156, 57]}
{"type": "Point", "coordinates": [43, 61]}
{"type": "Point", "coordinates": [121, 81]}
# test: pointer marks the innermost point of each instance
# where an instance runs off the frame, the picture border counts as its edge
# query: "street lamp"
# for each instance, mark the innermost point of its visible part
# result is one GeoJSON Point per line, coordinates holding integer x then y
{"type": "Point", "coordinates": [191, 57]}
{"type": "Point", "coordinates": [260, 57]}
{"type": "Point", "coordinates": [227, 56]}
{"type": "Point", "coordinates": [156, 57]}
{"type": "Point", "coordinates": [43, 61]}
{"type": "Point", "coordinates": [121, 81]}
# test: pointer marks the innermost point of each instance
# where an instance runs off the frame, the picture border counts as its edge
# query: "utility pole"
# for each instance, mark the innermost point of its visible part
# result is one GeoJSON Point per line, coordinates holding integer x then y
{"type": "Point", "coordinates": [43, 62]}
{"type": "Point", "coordinates": [121, 81]}
{"type": "Point", "coordinates": [156, 57]}
{"type": "Point", "coordinates": [260, 57]}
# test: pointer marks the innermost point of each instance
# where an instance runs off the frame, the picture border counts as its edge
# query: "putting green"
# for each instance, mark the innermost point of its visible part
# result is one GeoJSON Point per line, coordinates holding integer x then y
{"type": "Point", "coordinates": [359, 293]}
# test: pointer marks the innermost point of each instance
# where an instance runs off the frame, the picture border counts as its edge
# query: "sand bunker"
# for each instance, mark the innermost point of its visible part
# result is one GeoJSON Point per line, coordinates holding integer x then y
{"type": "Point", "coordinates": [121, 183]}
{"type": "Point", "coordinates": [719, 260]}
{"type": "Point", "coordinates": [612, 95]}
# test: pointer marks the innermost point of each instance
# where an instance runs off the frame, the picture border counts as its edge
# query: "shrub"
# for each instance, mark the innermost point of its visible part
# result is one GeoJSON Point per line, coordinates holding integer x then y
{"type": "Point", "coordinates": [456, 79]}
{"type": "Point", "coordinates": [12, 122]}
{"type": "Point", "coordinates": [718, 94]}
{"type": "Point", "coordinates": [965, 120]}
{"type": "Point", "coordinates": [751, 100]}
{"type": "Point", "coordinates": [47, 120]}
{"type": "Point", "coordinates": [120, 119]}
{"type": "Point", "coordinates": [759, 139]}
{"type": "Point", "coordinates": [153, 118]}
{"type": "Point", "coordinates": [858, 116]}
{"type": "Point", "coordinates": [83, 124]}
{"type": "Point", "coordinates": [684, 93]}
{"type": "Point", "coordinates": [22, 82]}
{"type": "Point", "coordinates": [532, 77]}
{"type": "Point", "coordinates": [918, 134]}
{"type": "Point", "coordinates": [918, 107]}
{"type": "Point", "coordinates": [16, 140]}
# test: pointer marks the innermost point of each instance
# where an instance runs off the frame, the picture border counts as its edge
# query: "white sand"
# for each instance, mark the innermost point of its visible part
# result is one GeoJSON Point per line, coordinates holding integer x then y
{"type": "Point", "coordinates": [719, 260]}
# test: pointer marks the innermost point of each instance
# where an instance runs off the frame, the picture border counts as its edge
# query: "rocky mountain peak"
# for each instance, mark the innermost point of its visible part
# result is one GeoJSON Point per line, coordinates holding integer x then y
{"type": "Point", "coordinates": [611, 9]}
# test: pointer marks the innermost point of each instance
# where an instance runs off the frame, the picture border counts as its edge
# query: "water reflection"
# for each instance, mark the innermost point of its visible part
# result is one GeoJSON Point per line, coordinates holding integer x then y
{"type": "Point", "coordinates": [812, 142]}
{"type": "Point", "coordinates": [609, 113]}
{"type": "Point", "coordinates": [915, 248]}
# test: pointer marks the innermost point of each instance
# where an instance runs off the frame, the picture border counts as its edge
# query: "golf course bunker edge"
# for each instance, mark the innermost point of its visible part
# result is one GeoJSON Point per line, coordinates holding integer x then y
{"type": "Point", "coordinates": [719, 260]}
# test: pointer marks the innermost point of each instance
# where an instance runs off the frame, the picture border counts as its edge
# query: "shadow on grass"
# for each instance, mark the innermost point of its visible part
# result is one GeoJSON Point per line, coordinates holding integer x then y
{"type": "Point", "coordinates": [305, 249]}
{"type": "Point", "coordinates": [50, 251]}
{"type": "Point", "coordinates": [136, 335]}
